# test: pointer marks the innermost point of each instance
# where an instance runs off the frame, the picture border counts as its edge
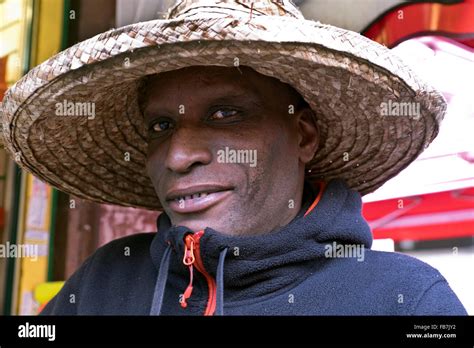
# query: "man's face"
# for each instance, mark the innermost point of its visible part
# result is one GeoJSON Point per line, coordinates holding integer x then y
{"type": "Point", "coordinates": [225, 149]}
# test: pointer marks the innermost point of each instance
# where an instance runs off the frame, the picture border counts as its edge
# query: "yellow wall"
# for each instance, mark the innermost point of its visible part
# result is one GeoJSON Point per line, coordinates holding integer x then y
{"type": "Point", "coordinates": [49, 28]}
{"type": "Point", "coordinates": [36, 222]}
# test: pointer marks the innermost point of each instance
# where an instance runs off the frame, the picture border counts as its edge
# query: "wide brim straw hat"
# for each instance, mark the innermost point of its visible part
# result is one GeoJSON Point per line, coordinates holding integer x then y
{"type": "Point", "coordinates": [375, 116]}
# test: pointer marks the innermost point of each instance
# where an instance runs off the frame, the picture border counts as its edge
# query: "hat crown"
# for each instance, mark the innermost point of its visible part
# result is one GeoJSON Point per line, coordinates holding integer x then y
{"type": "Point", "coordinates": [183, 9]}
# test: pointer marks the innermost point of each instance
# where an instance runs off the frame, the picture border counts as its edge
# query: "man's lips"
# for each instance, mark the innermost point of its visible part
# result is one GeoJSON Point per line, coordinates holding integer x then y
{"type": "Point", "coordinates": [196, 198]}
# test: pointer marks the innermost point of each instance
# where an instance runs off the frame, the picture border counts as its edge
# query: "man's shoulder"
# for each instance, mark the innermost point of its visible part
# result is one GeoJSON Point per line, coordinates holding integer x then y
{"type": "Point", "coordinates": [136, 245]}
{"type": "Point", "coordinates": [401, 272]}
{"type": "Point", "coordinates": [106, 281]}
{"type": "Point", "coordinates": [395, 283]}
{"type": "Point", "coordinates": [380, 267]}
{"type": "Point", "coordinates": [120, 262]}
{"type": "Point", "coordinates": [409, 277]}
{"type": "Point", "coordinates": [396, 264]}
{"type": "Point", "coordinates": [137, 239]}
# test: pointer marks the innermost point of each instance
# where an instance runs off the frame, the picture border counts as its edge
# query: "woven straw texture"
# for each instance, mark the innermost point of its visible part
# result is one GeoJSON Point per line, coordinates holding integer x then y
{"type": "Point", "coordinates": [343, 76]}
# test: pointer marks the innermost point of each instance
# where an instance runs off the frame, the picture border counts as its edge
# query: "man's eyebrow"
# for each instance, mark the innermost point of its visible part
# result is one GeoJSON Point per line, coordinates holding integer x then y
{"type": "Point", "coordinates": [234, 96]}
{"type": "Point", "coordinates": [157, 107]}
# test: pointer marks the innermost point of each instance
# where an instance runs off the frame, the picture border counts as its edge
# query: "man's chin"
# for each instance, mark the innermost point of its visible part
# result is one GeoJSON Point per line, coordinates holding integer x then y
{"type": "Point", "coordinates": [216, 219]}
{"type": "Point", "coordinates": [199, 225]}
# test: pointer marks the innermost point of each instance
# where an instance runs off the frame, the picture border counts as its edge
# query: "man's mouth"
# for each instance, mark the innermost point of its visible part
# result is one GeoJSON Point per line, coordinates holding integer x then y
{"type": "Point", "coordinates": [196, 198]}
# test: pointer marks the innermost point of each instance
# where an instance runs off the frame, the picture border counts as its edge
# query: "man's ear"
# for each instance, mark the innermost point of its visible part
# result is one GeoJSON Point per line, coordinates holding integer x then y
{"type": "Point", "coordinates": [308, 134]}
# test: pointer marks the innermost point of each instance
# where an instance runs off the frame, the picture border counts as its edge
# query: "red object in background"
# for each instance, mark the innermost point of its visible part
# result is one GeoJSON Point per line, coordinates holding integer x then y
{"type": "Point", "coordinates": [428, 18]}
{"type": "Point", "coordinates": [3, 73]}
{"type": "Point", "coordinates": [440, 215]}
{"type": "Point", "coordinates": [437, 215]}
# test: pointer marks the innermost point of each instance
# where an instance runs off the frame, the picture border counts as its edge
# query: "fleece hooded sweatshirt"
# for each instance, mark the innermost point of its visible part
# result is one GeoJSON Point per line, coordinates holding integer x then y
{"type": "Point", "coordinates": [319, 264]}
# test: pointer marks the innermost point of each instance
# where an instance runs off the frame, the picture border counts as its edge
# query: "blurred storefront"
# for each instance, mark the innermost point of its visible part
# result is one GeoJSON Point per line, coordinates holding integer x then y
{"type": "Point", "coordinates": [31, 31]}
{"type": "Point", "coordinates": [66, 229]}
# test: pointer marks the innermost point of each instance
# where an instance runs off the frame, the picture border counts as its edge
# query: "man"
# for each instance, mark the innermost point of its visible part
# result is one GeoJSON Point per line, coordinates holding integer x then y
{"type": "Point", "coordinates": [259, 176]}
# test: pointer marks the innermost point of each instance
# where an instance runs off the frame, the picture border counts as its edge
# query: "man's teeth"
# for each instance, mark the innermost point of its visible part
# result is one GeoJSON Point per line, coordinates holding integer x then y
{"type": "Point", "coordinates": [196, 195]}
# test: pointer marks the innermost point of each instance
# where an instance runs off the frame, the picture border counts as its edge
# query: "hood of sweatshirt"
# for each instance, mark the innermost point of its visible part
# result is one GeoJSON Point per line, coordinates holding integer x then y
{"type": "Point", "coordinates": [203, 272]}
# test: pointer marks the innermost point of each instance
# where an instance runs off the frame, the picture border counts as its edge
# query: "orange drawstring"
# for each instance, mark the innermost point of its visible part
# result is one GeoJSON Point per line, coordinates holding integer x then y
{"type": "Point", "coordinates": [188, 260]}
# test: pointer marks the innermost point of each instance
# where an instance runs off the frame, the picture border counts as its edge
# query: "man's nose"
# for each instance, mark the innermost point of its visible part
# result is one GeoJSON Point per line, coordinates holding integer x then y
{"type": "Point", "coordinates": [187, 148]}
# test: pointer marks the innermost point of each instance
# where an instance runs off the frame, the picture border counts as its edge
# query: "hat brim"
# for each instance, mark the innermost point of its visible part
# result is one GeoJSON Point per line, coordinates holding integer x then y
{"type": "Point", "coordinates": [343, 76]}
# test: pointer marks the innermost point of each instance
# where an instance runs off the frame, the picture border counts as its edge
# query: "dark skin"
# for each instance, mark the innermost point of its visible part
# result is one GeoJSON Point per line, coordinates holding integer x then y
{"type": "Point", "coordinates": [194, 112]}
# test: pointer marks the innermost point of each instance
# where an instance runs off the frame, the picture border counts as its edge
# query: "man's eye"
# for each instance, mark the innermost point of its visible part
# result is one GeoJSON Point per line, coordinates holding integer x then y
{"type": "Point", "coordinates": [161, 126]}
{"type": "Point", "coordinates": [223, 113]}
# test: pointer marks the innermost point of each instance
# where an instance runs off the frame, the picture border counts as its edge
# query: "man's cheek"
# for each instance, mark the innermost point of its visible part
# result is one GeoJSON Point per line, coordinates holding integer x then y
{"type": "Point", "coordinates": [155, 173]}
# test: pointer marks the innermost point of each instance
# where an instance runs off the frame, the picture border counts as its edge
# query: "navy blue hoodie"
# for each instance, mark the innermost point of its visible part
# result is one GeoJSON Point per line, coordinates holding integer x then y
{"type": "Point", "coordinates": [318, 264]}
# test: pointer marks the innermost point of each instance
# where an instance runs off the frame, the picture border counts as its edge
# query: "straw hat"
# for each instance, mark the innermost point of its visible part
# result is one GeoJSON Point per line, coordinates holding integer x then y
{"type": "Point", "coordinates": [364, 97]}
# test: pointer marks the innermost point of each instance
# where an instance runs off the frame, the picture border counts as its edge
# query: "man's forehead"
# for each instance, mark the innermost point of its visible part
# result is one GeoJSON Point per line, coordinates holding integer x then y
{"type": "Point", "coordinates": [208, 76]}
{"type": "Point", "coordinates": [217, 81]}
{"type": "Point", "coordinates": [209, 72]}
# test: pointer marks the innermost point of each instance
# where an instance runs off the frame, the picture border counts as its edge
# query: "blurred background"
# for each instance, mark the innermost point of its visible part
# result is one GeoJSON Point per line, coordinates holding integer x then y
{"type": "Point", "coordinates": [427, 211]}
